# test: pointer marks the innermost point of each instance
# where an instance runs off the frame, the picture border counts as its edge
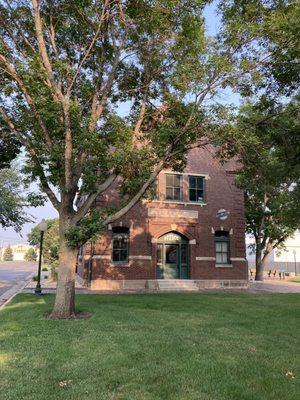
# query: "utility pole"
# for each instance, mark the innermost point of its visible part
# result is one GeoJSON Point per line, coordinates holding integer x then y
{"type": "Point", "coordinates": [295, 261]}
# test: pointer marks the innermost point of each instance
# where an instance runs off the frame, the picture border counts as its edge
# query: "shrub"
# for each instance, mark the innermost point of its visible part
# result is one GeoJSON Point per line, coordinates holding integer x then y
{"type": "Point", "coordinates": [30, 255]}
{"type": "Point", "coordinates": [53, 273]}
{"type": "Point", "coordinates": [35, 278]}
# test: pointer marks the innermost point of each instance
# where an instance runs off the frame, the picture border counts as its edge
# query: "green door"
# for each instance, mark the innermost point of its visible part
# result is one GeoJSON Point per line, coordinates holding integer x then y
{"type": "Point", "coordinates": [184, 261]}
{"type": "Point", "coordinates": [172, 257]}
{"type": "Point", "coordinates": [171, 267]}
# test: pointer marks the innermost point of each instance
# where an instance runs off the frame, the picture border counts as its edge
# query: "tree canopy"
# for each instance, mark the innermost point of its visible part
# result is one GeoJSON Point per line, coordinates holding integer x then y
{"type": "Point", "coordinates": [70, 65]}
{"type": "Point", "coordinates": [51, 240]}
{"type": "Point", "coordinates": [270, 176]}
{"type": "Point", "coordinates": [12, 200]}
{"type": "Point", "coordinates": [9, 146]}
{"type": "Point", "coordinates": [266, 133]}
{"type": "Point", "coordinates": [15, 196]}
{"type": "Point", "coordinates": [30, 255]}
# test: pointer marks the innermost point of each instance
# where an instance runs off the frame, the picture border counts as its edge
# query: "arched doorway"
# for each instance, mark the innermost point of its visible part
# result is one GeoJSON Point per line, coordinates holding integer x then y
{"type": "Point", "coordinates": [172, 256]}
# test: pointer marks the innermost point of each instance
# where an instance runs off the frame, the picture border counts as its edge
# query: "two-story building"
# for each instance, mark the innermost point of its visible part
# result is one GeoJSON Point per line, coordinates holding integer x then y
{"type": "Point", "coordinates": [193, 230]}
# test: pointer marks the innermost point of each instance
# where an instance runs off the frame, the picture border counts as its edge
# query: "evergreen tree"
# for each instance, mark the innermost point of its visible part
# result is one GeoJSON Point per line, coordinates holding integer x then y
{"type": "Point", "coordinates": [8, 254]}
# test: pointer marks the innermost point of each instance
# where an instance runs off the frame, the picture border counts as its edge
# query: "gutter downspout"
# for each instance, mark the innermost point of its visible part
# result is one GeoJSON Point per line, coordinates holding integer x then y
{"type": "Point", "coordinates": [90, 266]}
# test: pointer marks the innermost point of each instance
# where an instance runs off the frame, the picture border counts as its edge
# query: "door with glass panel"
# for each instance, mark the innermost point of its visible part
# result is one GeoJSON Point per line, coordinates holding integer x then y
{"type": "Point", "coordinates": [171, 266]}
{"type": "Point", "coordinates": [172, 257]}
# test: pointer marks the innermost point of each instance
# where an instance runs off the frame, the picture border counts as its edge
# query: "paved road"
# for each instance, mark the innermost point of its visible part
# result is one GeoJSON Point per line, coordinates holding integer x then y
{"type": "Point", "coordinates": [14, 272]}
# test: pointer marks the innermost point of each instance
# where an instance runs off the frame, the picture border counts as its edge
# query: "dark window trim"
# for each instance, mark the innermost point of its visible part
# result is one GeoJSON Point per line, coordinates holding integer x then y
{"type": "Point", "coordinates": [204, 188]}
{"type": "Point", "coordinates": [114, 235]}
{"type": "Point", "coordinates": [223, 239]}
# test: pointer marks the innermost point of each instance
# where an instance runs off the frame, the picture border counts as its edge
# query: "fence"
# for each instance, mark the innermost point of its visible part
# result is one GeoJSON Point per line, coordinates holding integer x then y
{"type": "Point", "coordinates": [286, 266]}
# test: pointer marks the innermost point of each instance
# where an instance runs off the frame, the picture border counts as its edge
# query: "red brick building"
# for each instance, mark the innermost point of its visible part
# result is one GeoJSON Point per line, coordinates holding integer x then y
{"type": "Point", "coordinates": [194, 229]}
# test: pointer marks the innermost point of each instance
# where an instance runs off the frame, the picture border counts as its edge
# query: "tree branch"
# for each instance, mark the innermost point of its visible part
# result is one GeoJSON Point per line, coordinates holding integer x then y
{"type": "Point", "coordinates": [105, 92]}
{"type": "Point", "coordinates": [30, 149]}
{"type": "Point", "coordinates": [137, 197]}
{"type": "Point", "coordinates": [89, 48]}
{"type": "Point", "coordinates": [84, 208]}
{"type": "Point", "coordinates": [43, 52]}
{"type": "Point", "coordinates": [13, 73]}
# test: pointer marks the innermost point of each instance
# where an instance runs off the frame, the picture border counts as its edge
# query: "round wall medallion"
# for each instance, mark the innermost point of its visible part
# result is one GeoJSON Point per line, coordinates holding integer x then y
{"type": "Point", "coordinates": [222, 214]}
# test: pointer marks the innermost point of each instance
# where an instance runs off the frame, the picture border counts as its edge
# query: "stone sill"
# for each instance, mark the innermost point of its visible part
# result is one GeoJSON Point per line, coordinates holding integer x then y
{"type": "Point", "coordinates": [185, 203]}
{"type": "Point", "coordinates": [223, 265]}
{"type": "Point", "coordinates": [119, 265]}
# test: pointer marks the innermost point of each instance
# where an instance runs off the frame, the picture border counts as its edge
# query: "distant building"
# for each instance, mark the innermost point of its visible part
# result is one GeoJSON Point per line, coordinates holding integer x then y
{"type": "Point", "coordinates": [19, 251]}
{"type": "Point", "coordinates": [291, 254]}
{"type": "Point", "coordinates": [288, 258]}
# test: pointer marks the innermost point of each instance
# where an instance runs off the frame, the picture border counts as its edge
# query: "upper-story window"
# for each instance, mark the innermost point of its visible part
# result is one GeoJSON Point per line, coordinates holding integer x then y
{"type": "Point", "coordinates": [196, 188]}
{"type": "Point", "coordinates": [120, 245]}
{"type": "Point", "coordinates": [173, 187]}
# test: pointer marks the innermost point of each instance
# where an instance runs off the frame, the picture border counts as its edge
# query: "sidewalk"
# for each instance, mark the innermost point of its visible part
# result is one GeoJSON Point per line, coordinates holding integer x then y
{"type": "Point", "coordinates": [28, 286]}
{"type": "Point", "coordinates": [274, 286]}
{"type": "Point", "coordinates": [49, 286]}
{"type": "Point", "coordinates": [7, 296]}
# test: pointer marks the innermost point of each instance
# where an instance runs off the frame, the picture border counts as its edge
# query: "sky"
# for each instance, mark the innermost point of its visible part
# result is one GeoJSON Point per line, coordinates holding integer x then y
{"type": "Point", "coordinates": [9, 236]}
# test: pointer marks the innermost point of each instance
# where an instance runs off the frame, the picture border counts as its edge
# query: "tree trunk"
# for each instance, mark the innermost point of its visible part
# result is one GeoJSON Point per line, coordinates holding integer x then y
{"type": "Point", "coordinates": [261, 260]}
{"type": "Point", "coordinates": [259, 273]}
{"type": "Point", "coordinates": [268, 250]}
{"type": "Point", "coordinates": [64, 306]}
{"type": "Point", "coordinates": [265, 259]}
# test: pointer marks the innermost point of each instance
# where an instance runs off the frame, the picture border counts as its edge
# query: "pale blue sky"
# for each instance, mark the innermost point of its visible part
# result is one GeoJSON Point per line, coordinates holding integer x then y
{"type": "Point", "coordinates": [9, 236]}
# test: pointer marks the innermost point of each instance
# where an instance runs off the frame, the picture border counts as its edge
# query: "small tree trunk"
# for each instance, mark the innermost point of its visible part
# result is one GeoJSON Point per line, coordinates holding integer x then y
{"type": "Point", "coordinates": [266, 255]}
{"type": "Point", "coordinates": [259, 273]}
{"type": "Point", "coordinates": [64, 306]}
{"type": "Point", "coordinates": [261, 260]}
{"type": "Point", "coordinates": [265, 259]}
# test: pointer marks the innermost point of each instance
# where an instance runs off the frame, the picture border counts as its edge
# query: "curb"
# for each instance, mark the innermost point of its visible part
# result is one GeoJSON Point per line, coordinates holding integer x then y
{"type": "Point", "coordinates": [7, 296]}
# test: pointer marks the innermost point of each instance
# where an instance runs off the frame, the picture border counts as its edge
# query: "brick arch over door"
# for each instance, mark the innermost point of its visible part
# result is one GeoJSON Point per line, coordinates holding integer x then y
{"type": "Point", "coordinates": [179, 230]}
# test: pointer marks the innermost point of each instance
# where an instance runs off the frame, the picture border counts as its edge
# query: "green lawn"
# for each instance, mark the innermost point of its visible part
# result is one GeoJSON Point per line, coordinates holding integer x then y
{"type": "Point", "coordinates": [296, 279]}
{"type": "Point", "coordinates": [139, 347]}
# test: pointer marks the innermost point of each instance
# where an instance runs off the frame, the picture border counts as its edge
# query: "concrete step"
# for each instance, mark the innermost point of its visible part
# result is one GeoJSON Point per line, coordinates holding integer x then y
{"type": "Point", "coordinates": [177, 285]}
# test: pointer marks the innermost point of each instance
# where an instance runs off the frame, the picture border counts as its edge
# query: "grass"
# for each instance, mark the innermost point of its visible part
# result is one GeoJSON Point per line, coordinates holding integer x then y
{"type": "Point", "coordinates": [296, 279]}
{"type": "Point", "coordinates": [212, 346]}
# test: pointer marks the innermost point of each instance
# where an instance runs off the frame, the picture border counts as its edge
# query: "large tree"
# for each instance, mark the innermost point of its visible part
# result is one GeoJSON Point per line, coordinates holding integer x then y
{"type": "Point", "coordinates": [71, 67]}
{"type": "Point", "coordinates": [268, 130]}
{"type": "Point", "coordinates": [268, 137]}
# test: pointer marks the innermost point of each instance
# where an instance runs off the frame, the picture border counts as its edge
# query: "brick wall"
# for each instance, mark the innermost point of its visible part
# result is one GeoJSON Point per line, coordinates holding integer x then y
{"type": "Point", "coordinates": [196, 222]}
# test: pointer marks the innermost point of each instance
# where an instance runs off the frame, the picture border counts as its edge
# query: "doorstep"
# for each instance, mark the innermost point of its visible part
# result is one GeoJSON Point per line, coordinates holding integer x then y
{"type": "Point", "coordinates": [157, 285]}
